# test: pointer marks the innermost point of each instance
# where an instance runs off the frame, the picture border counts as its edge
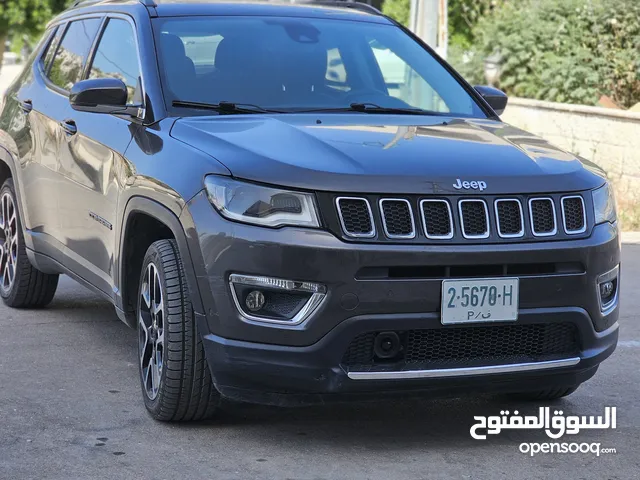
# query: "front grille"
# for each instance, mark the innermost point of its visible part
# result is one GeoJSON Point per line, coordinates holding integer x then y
{"type": "Point", "coordinates": [474, 218]}
{"type": "Point", "coordinates": [468, 346]}
{"type": "Point", "coordinates": [457, 219]}
{"type": "Point", "coordinates": [509, 217]}
{"type": "Point", "coordinates": [543, 216]}
{"type": "Point", "coordinates": [437, 219]}
{"type": "Point", "coordinates": [355, 215]}
{"type": "Point", "coordinates": [573, 214]}
{"type": "Point", "coordinates": [397, 218]}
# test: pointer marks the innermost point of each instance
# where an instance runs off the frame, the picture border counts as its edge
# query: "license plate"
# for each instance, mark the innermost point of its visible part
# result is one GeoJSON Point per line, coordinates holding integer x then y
{"type": "Point", "coordinates": [479, 300]}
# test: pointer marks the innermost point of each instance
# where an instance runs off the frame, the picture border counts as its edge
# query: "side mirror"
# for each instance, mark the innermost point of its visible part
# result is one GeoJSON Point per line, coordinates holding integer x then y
{"type": "Point", "coordinates": [101, 95]}
{"type": "Point", "coordinates": [497, 99]}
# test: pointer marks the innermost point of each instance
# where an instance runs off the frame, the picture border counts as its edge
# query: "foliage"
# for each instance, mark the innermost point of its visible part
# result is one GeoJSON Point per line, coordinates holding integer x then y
{"type": "Point", "coordinates": [399, 10]}
{"type": "Point", "coordinates": [464, 15]}
{"type": "Point", "coordinates": [24, 15]}
{"type": "Point", "coordinates": [572, 51]}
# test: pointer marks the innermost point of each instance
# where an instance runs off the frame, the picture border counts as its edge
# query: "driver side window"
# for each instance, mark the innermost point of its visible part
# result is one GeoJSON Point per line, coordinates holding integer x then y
{"type": "Point", "coordinates": [117, 57]}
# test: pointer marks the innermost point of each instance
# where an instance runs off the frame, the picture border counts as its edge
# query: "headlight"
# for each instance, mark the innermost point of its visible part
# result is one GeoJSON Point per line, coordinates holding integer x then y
{"type": "Point", "coordinates": [265, 206]}
{"type": "Point", "coordinates": [604, 204]}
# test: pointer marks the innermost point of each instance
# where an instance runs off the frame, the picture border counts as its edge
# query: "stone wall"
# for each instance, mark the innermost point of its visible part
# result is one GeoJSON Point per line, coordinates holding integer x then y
{"type": "Point", "coordinates": [610, 138]}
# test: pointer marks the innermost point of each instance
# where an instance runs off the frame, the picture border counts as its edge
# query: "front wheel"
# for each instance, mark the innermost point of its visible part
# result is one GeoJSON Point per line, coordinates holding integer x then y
{"type": "Point", "coordinates": [175, 377]}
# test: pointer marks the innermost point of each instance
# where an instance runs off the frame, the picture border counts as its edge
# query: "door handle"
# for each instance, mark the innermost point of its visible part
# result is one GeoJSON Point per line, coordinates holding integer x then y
{"type": "Point", "coordinates": [26, 106]}
{"type": "Point", "coordinates": [69, 127]}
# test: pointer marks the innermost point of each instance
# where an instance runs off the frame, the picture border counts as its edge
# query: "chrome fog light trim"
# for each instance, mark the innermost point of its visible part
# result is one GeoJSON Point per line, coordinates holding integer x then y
{"type": "Point", "coordinates": [612, 275]}
{"type": "Point", "coordinates": [318, 294]}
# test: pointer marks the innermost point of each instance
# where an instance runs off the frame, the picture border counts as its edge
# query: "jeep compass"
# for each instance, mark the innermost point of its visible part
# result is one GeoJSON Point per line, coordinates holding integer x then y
{"type": "Point", "coordinates": [300, 202]}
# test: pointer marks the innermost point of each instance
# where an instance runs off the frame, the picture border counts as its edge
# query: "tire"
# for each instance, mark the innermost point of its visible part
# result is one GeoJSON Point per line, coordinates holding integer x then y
{"type": "Point", "coordinates": [21, 284]}
{"type": "Point", "coordinates": [545, 395]}
{"type": "Point", "coordinates": [174, 373]}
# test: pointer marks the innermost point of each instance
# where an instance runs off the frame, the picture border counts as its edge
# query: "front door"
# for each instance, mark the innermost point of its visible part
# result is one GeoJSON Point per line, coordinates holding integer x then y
{"type": "Point", "coordinates": [89, 155]}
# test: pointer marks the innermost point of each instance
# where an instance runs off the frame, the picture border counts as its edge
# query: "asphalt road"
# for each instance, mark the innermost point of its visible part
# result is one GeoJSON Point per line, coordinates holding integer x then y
{"type": "Point", "coordinates": [70, 407]}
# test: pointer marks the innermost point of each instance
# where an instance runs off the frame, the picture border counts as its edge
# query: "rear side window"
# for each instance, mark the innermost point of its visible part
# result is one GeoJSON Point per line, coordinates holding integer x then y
{"type": "Point", "coordinates": [51, 47]}
{"type": "Point", "coordinates": [71, 55]}
{"type": "Point", "coordinates": [117, 56]}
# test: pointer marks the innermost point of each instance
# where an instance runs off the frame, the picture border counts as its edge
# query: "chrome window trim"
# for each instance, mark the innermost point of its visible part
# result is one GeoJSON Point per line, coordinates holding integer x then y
{"type": "Point", "coordinates": [459, 372]}
{"type": "Point", "coordinates": [509, 235]}
{"type": "Point", "coordinates": [486, 213]}
{"type": "Point", "coordinates": [344, 228]}
{"type": "Point", "coordinates": [564, 220]}
{"type": "Point", "coordinates": [424, 221]}
{"type": "Point", "coordinates": [384, 220]}
{"type": "Point", "coordinates": [555, 218]}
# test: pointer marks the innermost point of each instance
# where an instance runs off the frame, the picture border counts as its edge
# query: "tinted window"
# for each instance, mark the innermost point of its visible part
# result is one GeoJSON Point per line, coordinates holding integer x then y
{"type": "Point", "coordinates": [71, 55]}
{"type": "Point", "coordinates": [51, 47]}
{"type": "Point", "coordinates": [303, 63]}
{"type": "Point", "coordinates": [117, 56]}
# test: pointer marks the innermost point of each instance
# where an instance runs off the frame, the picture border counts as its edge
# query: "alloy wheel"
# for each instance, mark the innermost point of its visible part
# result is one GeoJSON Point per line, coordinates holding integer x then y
{"type": "Point", "coordinates": [8, 242]}
{"type": "Point", "coordinates": [151, 331]}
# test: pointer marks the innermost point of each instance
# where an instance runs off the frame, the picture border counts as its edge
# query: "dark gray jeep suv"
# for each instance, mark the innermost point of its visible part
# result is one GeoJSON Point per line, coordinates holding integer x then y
{"type": "Point", "coordinates": [300, 202]}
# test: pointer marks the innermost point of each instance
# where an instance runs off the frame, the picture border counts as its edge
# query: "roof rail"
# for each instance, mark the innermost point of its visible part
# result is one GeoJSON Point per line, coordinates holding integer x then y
{"type": "Point", "coordinates": [77, 3]}
{"type": "Point", "coordinates": [354, 4]}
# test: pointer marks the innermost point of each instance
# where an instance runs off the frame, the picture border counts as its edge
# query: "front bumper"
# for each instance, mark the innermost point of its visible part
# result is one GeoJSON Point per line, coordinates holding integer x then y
{"type": "Point", "coordinates": [251, 358]}
{"type": "Point", "coordinates": [281, 375]}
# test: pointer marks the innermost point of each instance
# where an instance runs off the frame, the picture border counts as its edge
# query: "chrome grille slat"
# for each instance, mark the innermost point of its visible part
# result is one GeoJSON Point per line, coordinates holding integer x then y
{"type": "Point", "coordinates": [437, 219]}
{"type": "Point", "coordinates": [574, 216]}
{"type": "Point", "coordinates": [542, 212]}
{"type": "Point", "coordinates": [356, 217]}
{"type": "Point", "coordinates": [474, 222]}
{"type": "Point", "coordinates": [509, 222]}
{"type": "Point", "coordinates": [397, 218]}
{"type": "Point", "coordinates": [517, 218]}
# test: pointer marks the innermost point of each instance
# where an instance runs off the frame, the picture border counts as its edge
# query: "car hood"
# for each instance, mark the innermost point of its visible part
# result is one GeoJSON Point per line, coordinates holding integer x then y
{"type": "Point", "coordinates": [386, 154]}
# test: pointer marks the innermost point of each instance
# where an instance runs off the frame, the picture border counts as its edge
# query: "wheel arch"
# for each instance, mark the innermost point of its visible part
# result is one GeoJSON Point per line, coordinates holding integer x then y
{"type": "Point", "coordinates": [153, 221]}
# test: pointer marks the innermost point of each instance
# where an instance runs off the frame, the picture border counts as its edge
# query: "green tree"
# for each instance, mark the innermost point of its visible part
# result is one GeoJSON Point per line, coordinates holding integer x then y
{"type": "Point", "coordinates": [23, 16]}
{"type": "Point", "coordinates": [572, 51]}
{"type": "Point", "coordinates": [398, 10]}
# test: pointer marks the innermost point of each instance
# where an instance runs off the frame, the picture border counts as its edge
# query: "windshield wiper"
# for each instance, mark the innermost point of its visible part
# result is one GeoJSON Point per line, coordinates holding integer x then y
{"type": "Point", "coordinates": [373, 108]}
{"type": "Point", "coordinates": [224, 107]}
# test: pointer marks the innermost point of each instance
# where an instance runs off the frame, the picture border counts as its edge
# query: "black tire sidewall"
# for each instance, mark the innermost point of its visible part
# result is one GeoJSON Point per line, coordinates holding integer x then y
{"type": "Point", "coordinates": [8, 186]}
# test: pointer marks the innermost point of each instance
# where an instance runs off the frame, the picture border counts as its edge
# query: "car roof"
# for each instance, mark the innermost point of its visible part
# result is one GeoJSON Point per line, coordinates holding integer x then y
{"type": "Point", "coordinates": [342, 9]}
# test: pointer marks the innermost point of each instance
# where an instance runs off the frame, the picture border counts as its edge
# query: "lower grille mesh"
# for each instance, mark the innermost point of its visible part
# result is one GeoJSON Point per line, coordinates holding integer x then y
{"type": "Point", "coordinates": [469, 346]}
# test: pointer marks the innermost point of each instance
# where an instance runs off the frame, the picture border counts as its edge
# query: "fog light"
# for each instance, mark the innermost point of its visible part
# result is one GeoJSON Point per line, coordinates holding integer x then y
{"type": "Point", "coordinates": [255, 300]}
{"type": "Point", "coordinates": [606, 289]}
{"type": "Point", "coordinates": [275, 300]}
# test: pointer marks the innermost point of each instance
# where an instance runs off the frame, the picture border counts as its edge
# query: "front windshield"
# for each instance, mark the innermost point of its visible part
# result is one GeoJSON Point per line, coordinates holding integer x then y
{"type": "Point", "coordinates": [296, 64]}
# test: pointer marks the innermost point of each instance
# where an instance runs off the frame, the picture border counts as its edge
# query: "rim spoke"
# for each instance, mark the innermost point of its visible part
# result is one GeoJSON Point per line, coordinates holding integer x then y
{"type": "Point", "coordinates": [151, 336]}
{"type": "Point", "coordinates": [154, 372]}
{"type": "Point", "coordinates": [146, 294]}
{"type": "Point", "coordinates": [3, 215]}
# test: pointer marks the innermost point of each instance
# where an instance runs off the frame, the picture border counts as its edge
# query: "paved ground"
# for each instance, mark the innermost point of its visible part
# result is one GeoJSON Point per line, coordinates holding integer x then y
{"type": "Point", "coordinates": [70, 407]}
